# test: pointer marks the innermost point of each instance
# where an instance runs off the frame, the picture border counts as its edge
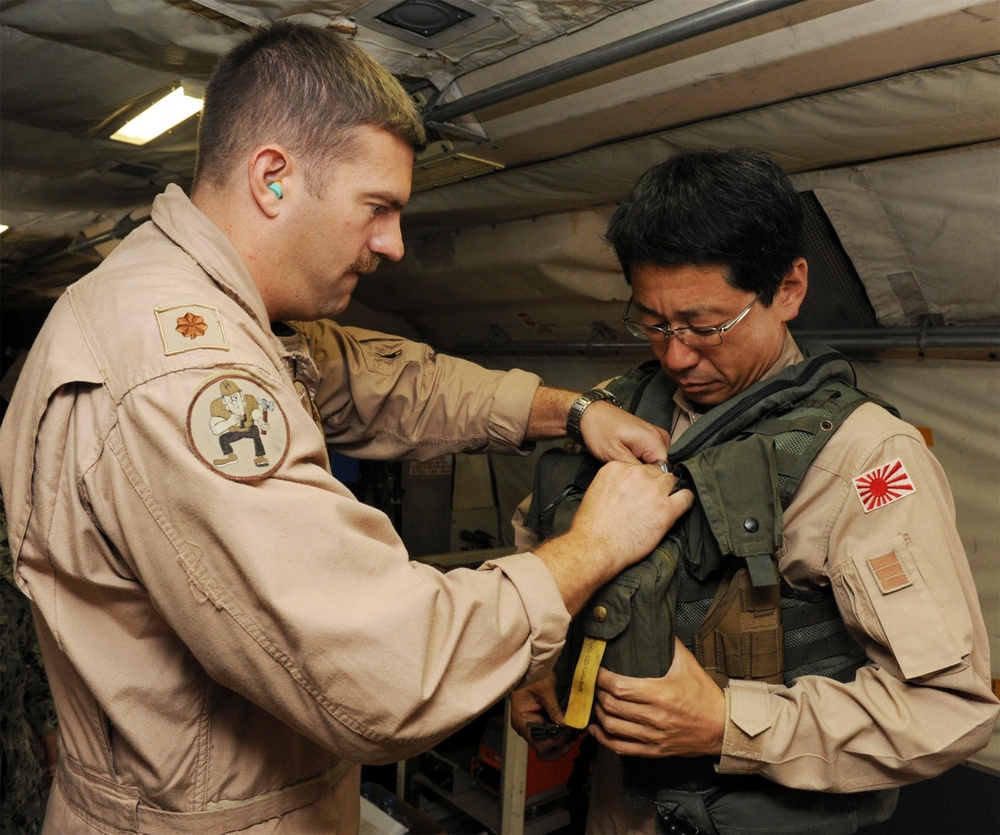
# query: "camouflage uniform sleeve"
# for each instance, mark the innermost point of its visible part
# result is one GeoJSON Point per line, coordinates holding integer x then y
{"type": "Point", "coordinates": [26, 708]}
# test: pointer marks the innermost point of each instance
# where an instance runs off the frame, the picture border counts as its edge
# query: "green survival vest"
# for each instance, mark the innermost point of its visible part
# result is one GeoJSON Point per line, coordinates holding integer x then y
{"type": "Point", "coordinates": [712, 580]}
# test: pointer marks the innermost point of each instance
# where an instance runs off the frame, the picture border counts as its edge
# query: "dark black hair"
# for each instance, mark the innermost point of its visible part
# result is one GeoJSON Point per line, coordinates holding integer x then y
{"type": "Point", "coordinates": [735, 209]}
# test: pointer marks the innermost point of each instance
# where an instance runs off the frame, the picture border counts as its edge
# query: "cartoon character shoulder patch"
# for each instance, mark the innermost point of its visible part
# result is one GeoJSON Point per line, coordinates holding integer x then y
{"type": "Point", "coordinates": [236, 427]}
{"type": "Point", "coordinates": [883, 485]}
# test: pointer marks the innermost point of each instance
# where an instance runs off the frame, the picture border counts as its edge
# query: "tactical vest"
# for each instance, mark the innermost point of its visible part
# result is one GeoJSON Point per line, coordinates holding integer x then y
{"type": "Point", "coordinates": [712, 580]}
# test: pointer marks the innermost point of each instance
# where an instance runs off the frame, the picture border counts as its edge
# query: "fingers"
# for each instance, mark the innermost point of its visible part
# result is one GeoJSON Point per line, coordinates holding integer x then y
{"type": "Point", "coordinates": [680, 503]}
{"type": "Point", "coordinates": [612, 434]}
{"type": "Point", "coordinates": [680, 714]}
{"type": "Point", "coordinates": [625, 696]}
{"type": "Point", "coordinates": [629, 714]}
{"type": "Point", "coordinates": [524, 708]}
{"type": "Point", "coordinates": [627, 510]}
{"type": "Point", "coordinates": [649, 444]}
{"type": "Point", "coordinates": [623, 516]}
{"type": "Point", "coordinates": [551, 706]}
{"type": "Point", "coordinates": [625, 725]}
{"type": "Point", "coordinates": [621, 727]}
{"type": "Point", "coordinates": [623, 746]}
{"type": "Point", "coordinates": [538, 704]}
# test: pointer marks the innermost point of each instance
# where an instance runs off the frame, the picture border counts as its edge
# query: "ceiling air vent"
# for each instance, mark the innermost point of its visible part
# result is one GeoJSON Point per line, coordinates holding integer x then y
{"type": "Point", "coordinates": [431, 23]}
{"type": "Point", "coordinates": [130, 174]}
{"type": "Point", "coordinates": [424, 17]}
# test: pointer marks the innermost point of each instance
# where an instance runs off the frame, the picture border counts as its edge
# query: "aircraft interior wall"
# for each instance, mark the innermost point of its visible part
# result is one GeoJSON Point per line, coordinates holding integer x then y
{"type": "Point", "coordinates": [921, 231]}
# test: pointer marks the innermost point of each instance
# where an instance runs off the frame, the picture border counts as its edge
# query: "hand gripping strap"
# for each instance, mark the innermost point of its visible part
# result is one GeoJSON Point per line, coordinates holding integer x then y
{"type": "Point", "coordinates": [627, 627]}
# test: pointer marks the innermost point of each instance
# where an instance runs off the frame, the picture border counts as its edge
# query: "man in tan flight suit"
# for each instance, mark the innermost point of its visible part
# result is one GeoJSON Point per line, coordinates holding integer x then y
{"type": "Point", "coordinates": [711, 244]}
{"type": "Point", "coordinates": [227, 639]}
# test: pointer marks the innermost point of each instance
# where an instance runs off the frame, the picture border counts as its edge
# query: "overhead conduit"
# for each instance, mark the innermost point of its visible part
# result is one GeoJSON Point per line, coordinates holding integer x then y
{"type": "Point", "coordinates": [859, 340]}
{"type": "Point", "coordinates": [675, 31]}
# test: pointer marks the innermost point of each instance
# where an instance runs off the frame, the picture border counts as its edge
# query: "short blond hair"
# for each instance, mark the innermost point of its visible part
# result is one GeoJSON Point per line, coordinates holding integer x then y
{"type": "Point", "coordinates": [305, 88]}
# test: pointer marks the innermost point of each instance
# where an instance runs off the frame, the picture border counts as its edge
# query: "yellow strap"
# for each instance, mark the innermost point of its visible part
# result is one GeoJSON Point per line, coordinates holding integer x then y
{"type": "Point", "coordinates": [581, 697]}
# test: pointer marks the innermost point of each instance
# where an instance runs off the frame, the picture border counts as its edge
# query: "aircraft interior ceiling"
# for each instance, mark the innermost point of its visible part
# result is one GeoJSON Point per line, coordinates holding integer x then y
{"type": "Point", "coordinates": [541, 114]}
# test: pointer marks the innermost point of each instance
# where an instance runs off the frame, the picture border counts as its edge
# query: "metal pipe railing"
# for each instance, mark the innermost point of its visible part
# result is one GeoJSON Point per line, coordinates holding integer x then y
{"type": "Point", "coordinates": [978, 337]}
{"type": "Point", "coordinates": [121, 229]}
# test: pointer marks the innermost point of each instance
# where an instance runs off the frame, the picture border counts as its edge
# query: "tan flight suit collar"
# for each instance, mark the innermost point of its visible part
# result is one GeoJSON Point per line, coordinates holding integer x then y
{"type": "Point", "coordinates": [188, 227]}
{"type": "Point", "coordinates": [185, 224]}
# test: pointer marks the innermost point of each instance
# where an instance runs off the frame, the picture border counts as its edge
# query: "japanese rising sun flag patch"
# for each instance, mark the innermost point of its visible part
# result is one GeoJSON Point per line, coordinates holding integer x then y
{"type": "Point", "coordinates": [883, 485]}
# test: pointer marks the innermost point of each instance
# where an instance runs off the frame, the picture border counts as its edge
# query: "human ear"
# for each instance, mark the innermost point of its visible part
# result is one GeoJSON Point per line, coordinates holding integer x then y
{"type": "Point", "coordinates": [792, 290]}
{"type": "Point", "coordinates": [268, 172]}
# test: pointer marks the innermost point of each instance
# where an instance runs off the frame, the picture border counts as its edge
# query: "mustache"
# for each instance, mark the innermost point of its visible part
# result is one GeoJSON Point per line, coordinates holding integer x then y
{"type": "Point", "coordinates": [366, 264]}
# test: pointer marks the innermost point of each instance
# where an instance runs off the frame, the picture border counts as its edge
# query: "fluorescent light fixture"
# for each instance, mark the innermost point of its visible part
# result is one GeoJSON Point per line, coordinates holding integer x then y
{"type": "Point", "coordinates": [171, 110]}
{"type": "Point", "coordinates": [3, 228]}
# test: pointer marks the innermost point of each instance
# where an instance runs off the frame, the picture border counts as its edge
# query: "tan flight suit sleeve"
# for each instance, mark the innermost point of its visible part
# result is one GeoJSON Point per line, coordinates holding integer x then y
{"type": "Point", "coordinates": [290, 592]}
{"type": "Point", "coordinates": [903, 585]}
{"type": "Point", "coordinates": [382, 396]}
{"type": "Point", "coordinates": [525, 539]}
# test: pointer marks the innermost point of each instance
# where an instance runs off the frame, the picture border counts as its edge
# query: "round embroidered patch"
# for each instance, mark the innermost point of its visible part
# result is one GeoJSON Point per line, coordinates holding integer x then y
{"type": "Point", "coordinates": [237, 428]}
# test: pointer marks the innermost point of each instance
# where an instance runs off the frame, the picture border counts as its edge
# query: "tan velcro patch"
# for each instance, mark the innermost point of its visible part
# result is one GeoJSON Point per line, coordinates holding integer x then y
{"type": "Point", "coordinates": [185, 327]}
{"type": "Point", "coordinates": [889, 573]}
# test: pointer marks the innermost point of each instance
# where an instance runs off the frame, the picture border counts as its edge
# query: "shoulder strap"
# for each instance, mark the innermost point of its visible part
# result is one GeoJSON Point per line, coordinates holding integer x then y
{"type": "Point", "coordinates": [746, 458]}
{"type": "Point", "coordinates": [632, 389]}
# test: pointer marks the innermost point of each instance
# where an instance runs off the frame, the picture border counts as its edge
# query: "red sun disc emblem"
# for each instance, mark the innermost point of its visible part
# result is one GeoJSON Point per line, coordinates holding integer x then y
{"type": "Point", "coordinates": [883, 485]}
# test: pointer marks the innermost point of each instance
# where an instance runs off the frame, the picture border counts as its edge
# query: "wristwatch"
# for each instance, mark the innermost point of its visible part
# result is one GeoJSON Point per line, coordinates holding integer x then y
{"type": "Point", "coordinates": [580, 406]}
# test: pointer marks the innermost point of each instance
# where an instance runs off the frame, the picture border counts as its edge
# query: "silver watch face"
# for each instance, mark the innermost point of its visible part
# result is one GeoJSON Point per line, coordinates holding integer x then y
{"type": "Point", "coordinates": [602, 394]}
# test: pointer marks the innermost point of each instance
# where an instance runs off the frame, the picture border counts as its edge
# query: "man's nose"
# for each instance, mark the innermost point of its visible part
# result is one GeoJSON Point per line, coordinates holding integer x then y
{"type": "Point", "coordinates": [387, 238]}
{"type": "Point", "coordinates": [677, 356]}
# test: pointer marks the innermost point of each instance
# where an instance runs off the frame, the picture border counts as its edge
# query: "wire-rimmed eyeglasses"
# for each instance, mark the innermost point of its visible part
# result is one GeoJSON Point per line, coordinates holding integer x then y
{"type": "Point", "coordinates": [695, 337]}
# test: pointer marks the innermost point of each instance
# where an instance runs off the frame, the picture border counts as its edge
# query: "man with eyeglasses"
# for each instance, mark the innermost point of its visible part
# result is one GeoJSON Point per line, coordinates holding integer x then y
{"type": "Point", "coordinates": [803, 698]}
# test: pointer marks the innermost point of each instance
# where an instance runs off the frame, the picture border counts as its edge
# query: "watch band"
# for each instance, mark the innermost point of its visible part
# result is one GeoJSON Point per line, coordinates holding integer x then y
{"type": "Point", "coordinates": [580, 406]}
